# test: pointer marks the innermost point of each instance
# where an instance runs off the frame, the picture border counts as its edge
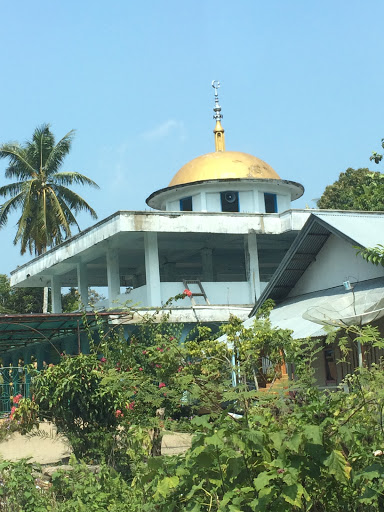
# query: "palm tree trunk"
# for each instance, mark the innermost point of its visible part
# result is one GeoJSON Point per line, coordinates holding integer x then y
{"type": "Point", "coordinates": [45, 292]}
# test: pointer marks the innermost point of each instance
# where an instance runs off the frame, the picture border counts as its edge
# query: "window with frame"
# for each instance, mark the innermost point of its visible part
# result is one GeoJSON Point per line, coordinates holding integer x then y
{"type": "Point", "coordinates": [186, 204]}
{"type": "Point", "coordinates": [270, 202]}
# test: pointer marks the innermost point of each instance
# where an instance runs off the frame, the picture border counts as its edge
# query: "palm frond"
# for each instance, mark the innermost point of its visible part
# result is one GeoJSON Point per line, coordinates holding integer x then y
{"type": "Point", "coordinates": [70, 178]}
{"type": "Point", "coordinates": [11, 189]}
{"type": "Point", "coordinates": [57, 218]}
{"type": "Point", "coordinates": [47, 206]}
{"type": "Point", "coordinates": [19, 165]}
{"type": "Point", "coordinates": [40, 147]}
{"type": "Point", "coordinates": [73, 200]}
{"type": "Point", "coordinates": [69, 215]}
{"type": "Point", "coordinates": [58, 153]}
{"type": "Point", "coordinates": [12, 204]}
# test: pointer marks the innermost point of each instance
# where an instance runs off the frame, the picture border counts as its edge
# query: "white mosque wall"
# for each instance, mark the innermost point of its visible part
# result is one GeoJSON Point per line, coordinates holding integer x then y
{"type": "Point", "coordinates": [222, 293]}
{"type": "Point", "coordinates": [206, 197]}
{"type": "Point", "coordinates": [213, 201]}
{"type": "Point", "coordinates": [336, 262]}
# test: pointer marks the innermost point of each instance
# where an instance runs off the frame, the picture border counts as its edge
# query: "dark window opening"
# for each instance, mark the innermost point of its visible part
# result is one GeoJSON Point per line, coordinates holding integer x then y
{"type": "Point", "coordinates": [229, 201]}
{"type": "Point", "coordinates": [186, 204]}
{"type": "Point", "coordinates": [330, 365]}
{"type": "Point", "coordinates": [270, 201]}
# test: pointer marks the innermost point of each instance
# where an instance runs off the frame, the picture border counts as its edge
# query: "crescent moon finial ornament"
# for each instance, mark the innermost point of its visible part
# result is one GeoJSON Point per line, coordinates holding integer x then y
{"type": "Point", "coordinates": [217, 109]}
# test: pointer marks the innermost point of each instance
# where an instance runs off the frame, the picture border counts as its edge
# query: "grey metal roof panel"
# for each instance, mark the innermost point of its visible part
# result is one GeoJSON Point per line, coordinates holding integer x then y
{"type": "Point", "coordinates": [289, 314]}
{"type": "Point", "coordinates": [366, 228]}
{"type": "Point", "coordinates": [359, 228]}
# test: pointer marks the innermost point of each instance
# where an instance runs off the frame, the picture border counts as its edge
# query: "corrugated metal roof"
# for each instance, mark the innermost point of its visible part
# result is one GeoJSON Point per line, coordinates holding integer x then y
{"type": "Point", "coordinates": [289, 314]}
{"type": "Point", "coordinates": [21, 330]}
{"type": "Point", "coordinates": [359, 228]}
{"type": "Point", "coordinates": [366, 228]}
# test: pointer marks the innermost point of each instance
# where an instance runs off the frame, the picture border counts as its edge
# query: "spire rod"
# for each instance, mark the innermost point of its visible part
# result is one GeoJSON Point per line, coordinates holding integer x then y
{"type": "Point", "coordinates": [217, 109]}
{"type": "Point", "coordinates": [219, 130]}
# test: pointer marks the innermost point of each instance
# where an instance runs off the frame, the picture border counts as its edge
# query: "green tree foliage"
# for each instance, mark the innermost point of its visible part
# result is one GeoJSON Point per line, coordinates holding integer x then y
{"type": "Point", "coordinates": [377, 157]}
{"type": "Point", "coordinates": [41, 192]}
{"type": "Point", "coordinates": [374, 255]}
{"type": "Point", "coordinates": [19, 300]}
{"type": "Point", "coordinates": [70, 301]}
{"type": "Point", "coordinates": [30, 300]}
{"type": "Point", "coordinates": [295, 448]}
{"type": "Point", "coordinates": [356, 189]}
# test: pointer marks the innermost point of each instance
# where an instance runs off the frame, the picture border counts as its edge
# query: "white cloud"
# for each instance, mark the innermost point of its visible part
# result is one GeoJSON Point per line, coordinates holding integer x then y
{"type": "Point", "coordinates": [164, 129]}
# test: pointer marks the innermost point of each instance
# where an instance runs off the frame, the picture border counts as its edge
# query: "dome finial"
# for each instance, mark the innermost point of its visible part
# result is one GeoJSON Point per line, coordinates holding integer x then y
{"type": "Point", "coordinates": [219, 130]}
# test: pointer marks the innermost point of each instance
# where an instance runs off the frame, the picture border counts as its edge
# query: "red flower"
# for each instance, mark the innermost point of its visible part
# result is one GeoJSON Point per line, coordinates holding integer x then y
{"type": "Point", "coordinates": [103, 360]}
{"type": "Point", "coordinates": [131, 405]}
{"type": "Point", "coordinates": [158, 366]}
{"type": "Point", "coordinates": [161, 385]}
{"type": "Point", "coordinates": [187, 293]}
{"type": "Point", "coordinates": [118, 413]}
{"type": "Point", "coordinates": [145, 352]}
{"type": "Point", "coordinates": [17, 398]}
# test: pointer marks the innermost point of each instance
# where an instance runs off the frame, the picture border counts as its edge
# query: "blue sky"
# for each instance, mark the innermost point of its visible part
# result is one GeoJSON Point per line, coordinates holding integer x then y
{"type": "Point", "coordinates": [301, 88]}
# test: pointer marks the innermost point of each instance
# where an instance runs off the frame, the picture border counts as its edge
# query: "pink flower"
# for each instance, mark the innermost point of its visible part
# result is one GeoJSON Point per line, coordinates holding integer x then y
{"type": "Point", "coordinates": [140, 369]}
{"type": "Point", "coordinates": [187, 293]}
{"type": "Point", "coordinates": [131, 405]}
{"type": "Point", "coordinates": [118, 413]}
{"type": "Point", "coordinates": [158, 366]}
{"type": "Point", "coordinates": [17, 398]}
{"type": "Point", "coordinates": [103, 360]}
{"type": "Point", "coordinates": [145, 352]}
{"type": "Point", "coordinates": [161, 385]}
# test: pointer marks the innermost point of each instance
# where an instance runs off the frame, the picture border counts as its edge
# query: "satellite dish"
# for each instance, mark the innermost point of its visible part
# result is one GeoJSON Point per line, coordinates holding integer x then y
{"type": "Point", "coordinates": [353, 308]}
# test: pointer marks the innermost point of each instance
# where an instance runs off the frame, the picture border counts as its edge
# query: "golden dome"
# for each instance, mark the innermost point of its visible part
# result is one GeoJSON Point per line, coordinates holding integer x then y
{"type": "Point", "coordinates": [224, 165]}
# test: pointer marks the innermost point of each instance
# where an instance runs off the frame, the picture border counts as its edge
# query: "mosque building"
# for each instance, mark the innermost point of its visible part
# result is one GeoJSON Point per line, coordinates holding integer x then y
{"type": "Point", "coordinates": [219, 229]}
{"type": "Point", "coordinates": [224, 231]}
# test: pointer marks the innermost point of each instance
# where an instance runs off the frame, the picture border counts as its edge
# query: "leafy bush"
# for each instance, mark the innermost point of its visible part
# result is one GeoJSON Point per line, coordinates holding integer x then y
{"type": "Point", "coordinates": [299, 449]}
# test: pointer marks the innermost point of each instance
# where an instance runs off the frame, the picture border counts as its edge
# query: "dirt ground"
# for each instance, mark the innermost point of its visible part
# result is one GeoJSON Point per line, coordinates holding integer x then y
{"type": "Point", "coordinates": [52, 448]}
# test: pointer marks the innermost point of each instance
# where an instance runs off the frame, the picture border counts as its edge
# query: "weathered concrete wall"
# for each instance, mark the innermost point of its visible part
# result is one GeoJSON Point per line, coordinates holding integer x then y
{"type": "Point", "coordinates": [336, 262]}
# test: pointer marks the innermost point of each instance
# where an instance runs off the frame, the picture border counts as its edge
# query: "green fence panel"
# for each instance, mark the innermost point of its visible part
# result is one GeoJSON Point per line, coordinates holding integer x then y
{"type": "Point", "coordinates": [14, 380]}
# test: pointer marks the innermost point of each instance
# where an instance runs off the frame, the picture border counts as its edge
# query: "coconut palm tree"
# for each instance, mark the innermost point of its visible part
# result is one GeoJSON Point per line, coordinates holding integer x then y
{"type": "Point", "coordinates": [41, 192]}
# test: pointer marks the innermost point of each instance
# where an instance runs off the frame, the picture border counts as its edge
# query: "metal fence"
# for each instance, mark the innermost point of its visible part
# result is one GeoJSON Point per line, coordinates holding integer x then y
{"type": "Point", "coordinates": [14, 380]}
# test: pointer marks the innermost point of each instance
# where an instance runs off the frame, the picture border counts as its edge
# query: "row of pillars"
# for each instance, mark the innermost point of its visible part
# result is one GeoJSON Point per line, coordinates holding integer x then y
{"type": "Point", "coordinates": [44, 353]}
{"type": "Point", "coordinates": [152, 273]}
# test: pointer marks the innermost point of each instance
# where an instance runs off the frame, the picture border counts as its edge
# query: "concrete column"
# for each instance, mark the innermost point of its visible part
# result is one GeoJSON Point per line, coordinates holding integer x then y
{"type": "Point", "coordinates": [252, 266]}
{"type": "Point", "coordinates": [152, 269]}
{"type": "Point", "coordinates": [6, 359]}
{"type": "Point", "coordinates": [56, 294]}
{"type": "Point", "coordinates": [113, 276]}
{"type": "Point", "coordinates": [82, 283]}
{"type": "Point", "coordinates": [40, 356]}
{"type": "Point", "coordinates": [203, 199]}
{"type": "Point", "coordinates": [206, 260]}
{"type": "Point", "coordinates": [15, 356]}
